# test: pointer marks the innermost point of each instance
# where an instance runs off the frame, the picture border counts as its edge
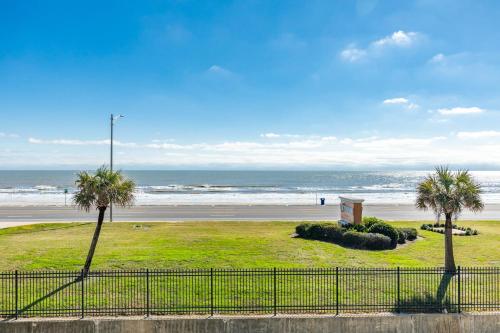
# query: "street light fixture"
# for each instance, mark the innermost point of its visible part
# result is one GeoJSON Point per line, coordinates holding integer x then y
{"type": "Point", "coordinates": [113, 119]}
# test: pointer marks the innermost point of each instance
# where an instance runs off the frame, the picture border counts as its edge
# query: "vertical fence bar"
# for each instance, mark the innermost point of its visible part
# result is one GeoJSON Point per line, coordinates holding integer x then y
{"type": "Point", "coordinates": [82, 277]}
{"type": "Point", "coordinates": [337, 290]}
{"type": "Point", "coordinates": [211, 292]}
{"type": "Point", "coordinates": [274, 290]}
{"type": "Point", "coordinates": [147, 293]}
{"type": "Point", "coordinates": [459, 290]}
{"type": "Point", "coordinates": [17, 294]}
{"type": "Point", "coordinates": [399, 291]}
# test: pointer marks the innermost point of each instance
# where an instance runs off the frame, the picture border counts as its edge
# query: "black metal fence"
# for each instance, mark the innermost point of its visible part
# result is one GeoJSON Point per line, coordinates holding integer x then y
{"type": "Point", "coordinates": [248, 291]}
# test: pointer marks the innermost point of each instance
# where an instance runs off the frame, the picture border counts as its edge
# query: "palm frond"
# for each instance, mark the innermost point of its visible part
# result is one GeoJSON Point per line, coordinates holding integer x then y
{"type": "Point", "coordinates": [102, 188]}
{"type": "Point", "coordinates": [447, 192]}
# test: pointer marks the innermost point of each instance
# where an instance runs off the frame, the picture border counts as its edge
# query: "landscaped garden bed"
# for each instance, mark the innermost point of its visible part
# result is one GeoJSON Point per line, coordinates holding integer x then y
{"type": "Point", "coordinates": [372, 234]}
{"type": "Point", "coordinates": [457, 230]}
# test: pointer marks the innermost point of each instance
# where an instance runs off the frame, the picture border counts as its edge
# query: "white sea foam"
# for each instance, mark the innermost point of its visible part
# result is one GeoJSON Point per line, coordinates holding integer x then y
{"type": "Point", "coordinates": [38, 199]}
{"type": "Point", "coordinates": [192, 188]}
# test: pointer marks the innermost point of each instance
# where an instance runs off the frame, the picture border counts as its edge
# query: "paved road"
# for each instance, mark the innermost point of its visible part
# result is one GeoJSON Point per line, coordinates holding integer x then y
{"type": "Point", "coordinates": [10, 216]}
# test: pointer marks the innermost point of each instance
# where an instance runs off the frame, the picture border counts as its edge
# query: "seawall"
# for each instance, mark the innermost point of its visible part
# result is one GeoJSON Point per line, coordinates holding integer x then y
{"type": "Point", "coordinates": [411, 323]}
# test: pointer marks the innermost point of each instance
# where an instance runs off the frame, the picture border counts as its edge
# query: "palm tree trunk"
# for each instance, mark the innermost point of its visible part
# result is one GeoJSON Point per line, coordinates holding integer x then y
{"type": "Point", "coordinates": [449, 260]}
{"type": "Point", "coordinates": [93, 245]}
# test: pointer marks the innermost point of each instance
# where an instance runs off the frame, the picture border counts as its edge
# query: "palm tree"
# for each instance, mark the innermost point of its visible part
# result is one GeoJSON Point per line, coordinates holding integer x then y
{"type": "Point", "coordinates": [448, 193]}
{"type": "Point", "coordinates": [99, 190]}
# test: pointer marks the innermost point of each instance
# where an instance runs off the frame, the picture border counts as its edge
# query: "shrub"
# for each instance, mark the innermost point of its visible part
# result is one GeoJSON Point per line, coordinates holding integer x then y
{"type": "Point", "coordinates": [333, 233]}
{"type": "Point", "coordinates": [387, 230]}
{"type": "Point", "coordinates": [401, 236]}
{"type": "Point", "coordinates": [410, 233]}
{"type": "Point", "coordinates": [380, 236]}
{"type": "Point", "coordinates": [475, 232]}
{"type": "Point", "coordinates": [303, 230]}
{"type": "Point", "coordinates": [368, 221]}
{"type": "Point", "coordinates": [426, 226]}
{"type": "Point", "coordinates": [313, 231]}
{"type": "Point", "coordinates": [369, 241]}
{"type": "Point", "coordinates": [353, 239]}
{"type": "Point", "coordinates": [356, 227]}
{"type": "Point", "coordinates": [316, 231]}
{"type": "Point", "coordinates": [377, 242]}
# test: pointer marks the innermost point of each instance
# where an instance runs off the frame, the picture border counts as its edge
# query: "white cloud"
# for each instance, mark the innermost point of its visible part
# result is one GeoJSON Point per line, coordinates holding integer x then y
{"type": "Point", "coordinates": [352, 54]}
{"type": "Point", "coordinates": [397, 100]}
{"type": "Point", "coordinates": [397, 39]}
{"type": "Point", "coordinates": [460, 111]}
{"type": "Point", "coordinates": [300, 151]}
{"type": "Point", "coordinates": [303, 151]}
{"type": "Point", "coordinates": [437, 58]}
{"type": "Point", "coordinates": [73, 142]}
{"type": "Point", "coordinates": [8, 135]}
{"type": "Point", "coordinates": [270, 135]}
{"type": "Point", "coordinates": [67, 142]}
{"type": "Point", "coordinates": [401, 101]}
{"type": "Point", "coordinates": [277, 136]}
{"type": "Point", "coordinates": [221, 71]}
{"type": "Point", "coordinates": [478, 135]}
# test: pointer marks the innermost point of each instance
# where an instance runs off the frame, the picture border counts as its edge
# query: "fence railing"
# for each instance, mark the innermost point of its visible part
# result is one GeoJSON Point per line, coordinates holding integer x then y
{"type": "Point", "coordinates": [248, 291]}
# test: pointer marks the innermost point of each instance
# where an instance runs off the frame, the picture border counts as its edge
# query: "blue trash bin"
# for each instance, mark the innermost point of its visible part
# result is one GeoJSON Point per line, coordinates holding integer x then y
{"type": "Point", "coordinates": [322, 201]}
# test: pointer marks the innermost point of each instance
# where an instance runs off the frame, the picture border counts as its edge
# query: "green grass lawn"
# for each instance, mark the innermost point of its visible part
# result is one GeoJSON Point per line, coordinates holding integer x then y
{"type": "Point", "coordinates": [225, 245]}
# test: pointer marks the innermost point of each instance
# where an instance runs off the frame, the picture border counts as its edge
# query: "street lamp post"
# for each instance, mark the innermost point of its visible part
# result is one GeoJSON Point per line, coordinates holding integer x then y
{"type": "Point", "coordinates": [112, 123]}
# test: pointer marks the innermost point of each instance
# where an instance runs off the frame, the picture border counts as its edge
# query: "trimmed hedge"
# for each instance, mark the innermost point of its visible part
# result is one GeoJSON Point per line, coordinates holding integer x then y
{"type": "Point", "coordinates": [410, 233]}
{"type": "Point", "coordinates": [368, 221]}
{"type": "Point", "coordinates": [303, 230]}
{"type": "Point", "coordinates": [401, 236]}
{"type": "Point", "coordinates": [316, 231]}
{"type": "Point", "coordinates": [379, 236]}
{"type": "Point", "coordinates": [431, 226]}
{"type": "Point", "coordinates": [374, 241]}
{"type": "Point", "coordinates": [350, 238]}
{"type": "Point", "coordinates": [334, 233]}
{"type": "Point", "coordinates": [356, 227]}
{"type": "Point", "coordinates": [369, 241]}
{"type": "Point", "coordinates": [387, 230]}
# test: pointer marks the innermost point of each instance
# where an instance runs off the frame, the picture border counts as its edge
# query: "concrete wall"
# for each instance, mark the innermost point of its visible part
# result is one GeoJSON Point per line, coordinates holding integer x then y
{"type": "Point", "coordinates": [422, 323]}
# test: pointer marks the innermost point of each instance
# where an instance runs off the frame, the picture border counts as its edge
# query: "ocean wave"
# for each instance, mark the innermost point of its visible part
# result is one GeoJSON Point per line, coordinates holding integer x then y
{"type": "Point", "coordinates": [240, 188]}
{"type": "Point", "coordinates": [177, 188]}
{"type": "Point", "coordinates": [46, 188]}
{"type": "Point", "coordinates": [150, 199]}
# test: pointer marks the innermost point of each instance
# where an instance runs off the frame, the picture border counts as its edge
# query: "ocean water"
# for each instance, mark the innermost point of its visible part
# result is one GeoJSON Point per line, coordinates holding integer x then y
{"type": "Point", "coordinates": [18, 188]}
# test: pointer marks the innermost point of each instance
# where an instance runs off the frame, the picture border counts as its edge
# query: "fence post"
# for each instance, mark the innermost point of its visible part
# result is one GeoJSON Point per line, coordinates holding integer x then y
{"type": "Point", "coordinates": [459, 291]}
{"type": "Point", "coordinates": [82, 278]}
{"type": "Point", "coordinates": [17, 294]}
{"type": "Point", "coordinates": [399, 291]}
{"type": "Point", "coordinates": [212, 292]}
{"type": "Point", "coordinates": [337, 289]}
{"type": "Point", "coordinates": [274, 289]}
{"type": "Point", "coordinates": [147, 293]}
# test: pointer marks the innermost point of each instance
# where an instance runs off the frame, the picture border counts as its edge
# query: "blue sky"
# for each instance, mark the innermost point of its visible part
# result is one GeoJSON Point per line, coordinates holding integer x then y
{"type": "Point", "coordinates": [250, 84]}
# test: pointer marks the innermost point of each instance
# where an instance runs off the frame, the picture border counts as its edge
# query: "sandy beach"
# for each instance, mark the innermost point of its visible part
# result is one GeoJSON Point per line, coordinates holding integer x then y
{"type": "Point", "coordinates": [13, 216]}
